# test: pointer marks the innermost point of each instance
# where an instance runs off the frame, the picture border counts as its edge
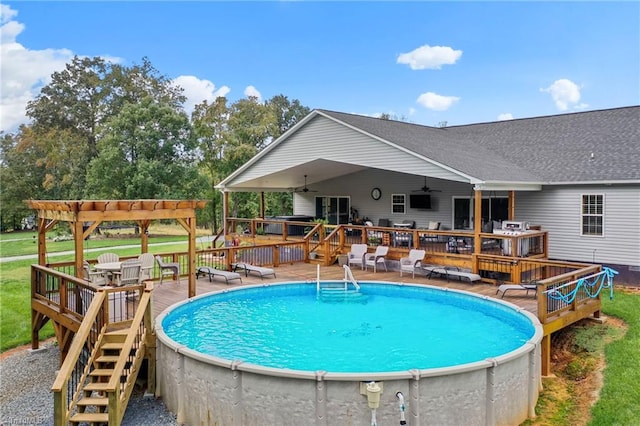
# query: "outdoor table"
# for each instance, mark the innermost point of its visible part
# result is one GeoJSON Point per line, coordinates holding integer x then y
{"type": "Point", "coordinates": [109, 268]}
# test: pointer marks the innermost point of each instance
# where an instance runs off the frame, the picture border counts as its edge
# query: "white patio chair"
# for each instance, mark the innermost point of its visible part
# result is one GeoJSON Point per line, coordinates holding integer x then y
{"type": "Point", "coordinates": [377, 258]}
{"type": "Point", "coordinates": [146, 266]}
{"type": "Point", "coordinates": [356, 255]}
{"type": "Point", "coordinates": [97, 278]}
{"type": "Point", "coordinates": [108, 258]}
{"type": "Point", "coordinates": [413, 261]}
{"type": "Point", "coordinates": [128, 274]}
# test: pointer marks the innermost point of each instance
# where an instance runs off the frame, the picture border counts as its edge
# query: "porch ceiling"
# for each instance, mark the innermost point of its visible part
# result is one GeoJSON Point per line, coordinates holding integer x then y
{"type": "Point", "coordinates": [320, 169]}
{"type": "Point", "coordinates": [293, 178]}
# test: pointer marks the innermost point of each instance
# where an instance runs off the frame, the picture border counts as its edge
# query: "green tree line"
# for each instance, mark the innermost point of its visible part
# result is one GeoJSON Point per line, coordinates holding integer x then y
{"type": "Point", "coordinates": [101, 130]}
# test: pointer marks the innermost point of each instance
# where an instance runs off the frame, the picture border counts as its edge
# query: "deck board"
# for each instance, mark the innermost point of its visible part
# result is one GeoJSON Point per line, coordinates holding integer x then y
{"type": "Point", "coordinates": [171, 292]}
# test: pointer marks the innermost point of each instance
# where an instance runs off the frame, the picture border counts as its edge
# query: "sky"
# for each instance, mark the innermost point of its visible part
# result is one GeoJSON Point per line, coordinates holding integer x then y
{"type": "Point", "coordinates": [431, 63]}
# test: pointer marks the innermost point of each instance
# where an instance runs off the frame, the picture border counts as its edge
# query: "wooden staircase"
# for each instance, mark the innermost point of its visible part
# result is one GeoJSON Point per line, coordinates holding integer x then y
{"type": "Point", "coordinates": [93, 407]}
{"type": "Point", "coordinates": [97, 378]}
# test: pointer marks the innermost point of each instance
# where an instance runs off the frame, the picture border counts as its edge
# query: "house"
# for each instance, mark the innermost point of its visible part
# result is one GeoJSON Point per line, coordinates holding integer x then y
{"type": "Point", "coordinates": [575, 175]}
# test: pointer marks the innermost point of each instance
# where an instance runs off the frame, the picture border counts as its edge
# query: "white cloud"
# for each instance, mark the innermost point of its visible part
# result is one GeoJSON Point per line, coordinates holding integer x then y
{"type": "Point", "coordinates": [429, 57]}
{"type": "Point", "coordinates": [564, 93]}
{"type": "Point", "coordinates": [436, 102]}
{"type": "Point", "coordinates": [23, 71]}
{"type": "Point", "coordinates": [251, 91]}
{"type": "Point", "coordinates": [197, 90]}
{"type": "Point", "coordinates": [505, 116]}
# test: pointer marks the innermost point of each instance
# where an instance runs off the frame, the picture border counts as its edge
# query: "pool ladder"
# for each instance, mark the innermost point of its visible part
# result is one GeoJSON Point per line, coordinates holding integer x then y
{"type": "Point", "coordinates": [339, 291]}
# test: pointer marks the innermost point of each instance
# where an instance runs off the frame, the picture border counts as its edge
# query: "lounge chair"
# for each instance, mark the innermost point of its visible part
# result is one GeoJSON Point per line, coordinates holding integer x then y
{"type": "Point", "coordinates": [213, 272]}
{"type": "Point", "coordinates": [356, 255]}
{"type": "Point", "coordinates": [413, 261]}
{"type": "Point", "coordinates": [530, 286]}
{"type": "Point", "coordinates": [260, 270]}
{"type": "Point", "coordinates": [450, 271]}
{"type": "Point", "coordinates": [377, 258]}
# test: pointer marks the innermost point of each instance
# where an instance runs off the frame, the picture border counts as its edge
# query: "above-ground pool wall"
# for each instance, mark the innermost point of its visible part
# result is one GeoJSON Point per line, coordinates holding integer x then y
{"type": "Point", "coordinates": [204, 391]}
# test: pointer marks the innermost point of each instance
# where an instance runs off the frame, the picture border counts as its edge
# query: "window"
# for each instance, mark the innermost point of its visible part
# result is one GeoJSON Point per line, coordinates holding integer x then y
{"type": "Point", "coordinates": [592, 214]}
{"type": "Point", "coordinates": [398, 203]}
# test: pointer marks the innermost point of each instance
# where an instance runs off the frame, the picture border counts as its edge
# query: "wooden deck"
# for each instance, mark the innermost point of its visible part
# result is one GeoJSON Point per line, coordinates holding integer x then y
{"type": "Point", "coordinates": [171, 292]}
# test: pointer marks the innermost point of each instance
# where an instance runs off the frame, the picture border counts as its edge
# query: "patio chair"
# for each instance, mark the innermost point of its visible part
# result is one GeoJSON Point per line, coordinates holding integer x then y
{"type": "Point", "coordinates": [379, 257]}
{"type": "Point", "coordinates": [413, 261]}
{"type": "Point", "coordinates": [146, 262]}
{"type": "Point", "coordinates": [96, 278]}
{"type": "Point", "coordinates": [129, 273]}
{"type": "Point", "coordinates": [356, 255]}
{"type": "Point", "coordinates": [168, 268]}
{"type": "Point", "coordinates": [108, 258]}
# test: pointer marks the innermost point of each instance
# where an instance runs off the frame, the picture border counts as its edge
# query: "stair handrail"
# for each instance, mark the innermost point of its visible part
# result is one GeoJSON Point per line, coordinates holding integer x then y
{"type": "Point", "coordinates": [62, 406]}
{"type": "Point", "coordinates": [348, 277]}
{"type": "Point", "coordinates": [118, 400]}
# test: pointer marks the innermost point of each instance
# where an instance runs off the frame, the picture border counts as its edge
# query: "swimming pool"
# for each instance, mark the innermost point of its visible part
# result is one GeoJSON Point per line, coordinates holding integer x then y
{"type": "Point", "coordinates": [279, 354]}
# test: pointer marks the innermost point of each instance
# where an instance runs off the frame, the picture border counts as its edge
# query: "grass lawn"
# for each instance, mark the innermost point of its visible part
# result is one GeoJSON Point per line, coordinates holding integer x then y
{"type": "Point", "coordinates": [15, 276]}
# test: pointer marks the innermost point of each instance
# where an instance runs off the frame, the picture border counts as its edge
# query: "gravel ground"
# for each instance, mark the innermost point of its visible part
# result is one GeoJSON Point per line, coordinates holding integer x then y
{"type": "Point", "coordinates": [25, 392]}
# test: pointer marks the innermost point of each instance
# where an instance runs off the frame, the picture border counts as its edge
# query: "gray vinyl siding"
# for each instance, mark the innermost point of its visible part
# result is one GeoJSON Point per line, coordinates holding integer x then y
{"type": "Point", "coordinates": [558, 210]}
{"type": "Point", "coordinates": [322, 138]}
{"type": "Point", "coordinates": [359, 185]}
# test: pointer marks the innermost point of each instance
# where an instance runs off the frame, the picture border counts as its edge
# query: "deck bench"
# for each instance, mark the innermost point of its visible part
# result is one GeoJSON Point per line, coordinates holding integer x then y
{"type": "Point", "coordinates": [213, 272]}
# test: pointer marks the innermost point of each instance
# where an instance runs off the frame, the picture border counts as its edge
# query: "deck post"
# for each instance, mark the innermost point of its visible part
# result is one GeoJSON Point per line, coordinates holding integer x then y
{"type": "Point", "coordinates": [546, 355]}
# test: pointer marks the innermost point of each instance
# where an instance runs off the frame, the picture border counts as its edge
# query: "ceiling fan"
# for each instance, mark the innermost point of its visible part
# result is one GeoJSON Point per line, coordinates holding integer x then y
{"type": "Point", "coordinates": [425, 188]}
{"type": "Point", "coordinates": [305, 189]}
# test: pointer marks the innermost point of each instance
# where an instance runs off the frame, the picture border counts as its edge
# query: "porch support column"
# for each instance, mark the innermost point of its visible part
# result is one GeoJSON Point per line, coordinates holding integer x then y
{"type": "Point", "coordinates": [477, 228]}
{"type": "Point", "coordinates": [262, 204]}
{"type": "Point", "coordinates": [225, 212]}
{"type": "Point", "coordinates": [512, 205]}
{"type": "Point", "coordinates": [144, 235]}
{"type": "Point", "coordinates": [78, 239]}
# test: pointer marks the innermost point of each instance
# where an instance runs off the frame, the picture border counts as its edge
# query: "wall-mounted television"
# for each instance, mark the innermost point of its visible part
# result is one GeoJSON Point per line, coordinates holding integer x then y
{"type": "Point", "coordinates": [420, 201]}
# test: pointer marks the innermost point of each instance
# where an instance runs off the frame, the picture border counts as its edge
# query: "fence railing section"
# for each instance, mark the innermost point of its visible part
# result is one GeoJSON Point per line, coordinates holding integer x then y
{"type": "Point", "coordinates": [549, 307]}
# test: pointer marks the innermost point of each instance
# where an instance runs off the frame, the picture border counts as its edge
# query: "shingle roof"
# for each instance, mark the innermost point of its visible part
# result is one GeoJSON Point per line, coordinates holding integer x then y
{"type": "Point", "coordinates": [551, 149]}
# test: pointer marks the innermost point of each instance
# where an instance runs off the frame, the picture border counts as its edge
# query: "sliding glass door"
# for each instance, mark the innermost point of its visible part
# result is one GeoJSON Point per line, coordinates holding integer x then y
{"type": "Point", "coordinates": [335, 210]}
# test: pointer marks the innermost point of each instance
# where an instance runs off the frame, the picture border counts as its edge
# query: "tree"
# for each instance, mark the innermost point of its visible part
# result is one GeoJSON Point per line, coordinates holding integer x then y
{"type": "Point", "coordinates": [251, 127]}
{"type": "Point", "coordinates": [74, 106]}
{"type": "Point", "coordinates": [146, 151]}
{"type": "Point", "coordinates": [210, 129]}
{"type": "Point", "coordinates": [288, 113]}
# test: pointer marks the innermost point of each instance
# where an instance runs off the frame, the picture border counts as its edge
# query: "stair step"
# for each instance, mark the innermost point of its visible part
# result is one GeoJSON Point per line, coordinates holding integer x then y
{"type": "Point", "coordinates": [101, 372]}
{"type": "Point", "coordinates": [107, 358]}
{"type": "Point", "coordinates": [111, 346]}
{"type": "Point", "coordinates": [97, 401]}
{"type": "Point", "coordinates": [90, 418]}
{"type": "Point", "coordinates": [97, 386]}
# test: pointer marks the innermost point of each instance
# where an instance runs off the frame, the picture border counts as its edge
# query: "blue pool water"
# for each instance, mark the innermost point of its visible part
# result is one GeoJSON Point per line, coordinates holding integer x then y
{"type": "Point", "coordinates": [388, 328]}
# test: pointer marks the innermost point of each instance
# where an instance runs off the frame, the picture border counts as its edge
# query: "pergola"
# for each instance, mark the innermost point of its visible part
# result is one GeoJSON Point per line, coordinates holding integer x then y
{"type": "Point", "coordinates": [84, 216]}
